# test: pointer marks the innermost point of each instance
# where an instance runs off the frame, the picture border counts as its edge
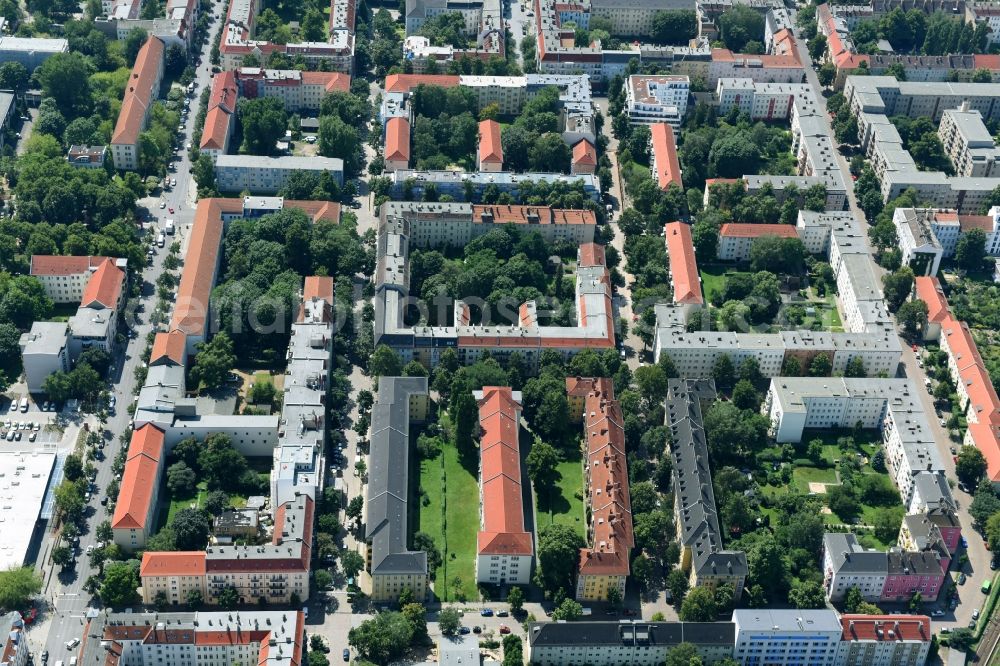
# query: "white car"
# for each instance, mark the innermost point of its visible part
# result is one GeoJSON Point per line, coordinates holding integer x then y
{"type": "Point", "coordinates": [173, 181]}
{"type": "Point", "coordinates": [163, 204]}
{"type": "Point", "coordinates": [13, 405]}
{"type": "Point", "coordinates": [72, 643]}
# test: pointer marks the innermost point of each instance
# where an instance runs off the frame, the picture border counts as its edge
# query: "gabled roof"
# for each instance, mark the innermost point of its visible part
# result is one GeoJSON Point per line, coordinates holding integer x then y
{"type": "Point", "coordinates": [407, 82]}
{"type": "Point", "coordinates": [168, 348]}
{"type": "Point", "coordinates": [739, 230]}
{"type": "Point", "coordinates": [54, 264]}
{"type": "Point", "coordinates": [318, 286]}
{"type": "Point", "coordinates": [139, 92]}
{"type": "Point", "coordinates": [584, 153]}
{"type": "Point", "coordinates": [490, 148]}
{"type": "Point", "coordinates": [139, 480]}
{"type": "Point", "coordinates": [104, 287]}
{"type": "Point", "coordinates": [397, 140]}
{"type": "Point", "coordinates": [173, 563]}
{"type": "Point", "coordinates": [886, 628]}
{"type": "Point", "coordinates": [668, 168]}
{"type": "Point", "coordinates": [683, 267]}
{"type": "Point", "coordinates": [332, 81]}
{"type": "Point", "coordinates": [930, 292]}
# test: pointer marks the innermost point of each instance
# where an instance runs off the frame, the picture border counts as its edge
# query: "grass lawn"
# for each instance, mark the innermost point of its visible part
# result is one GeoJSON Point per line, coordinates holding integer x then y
{"type": "Point", "coordinates": [713, 278]}
{"type": "Point", "coordinates": [566, 507]}
{"type": "Point", "coordinates": [176, 504]}
{"type": "Point", "coordinates": [803, 476]}
{"type": "Point", "coordinates": [446, 484]}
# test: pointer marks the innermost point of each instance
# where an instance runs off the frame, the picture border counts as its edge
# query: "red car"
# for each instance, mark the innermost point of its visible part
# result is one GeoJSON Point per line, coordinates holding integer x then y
{"type": "Point", "coordinates": [504, 629]}
{"type": "Point", "coordinates": [914, 346]}
{"type": "Point", "coordinates": [171, 210]}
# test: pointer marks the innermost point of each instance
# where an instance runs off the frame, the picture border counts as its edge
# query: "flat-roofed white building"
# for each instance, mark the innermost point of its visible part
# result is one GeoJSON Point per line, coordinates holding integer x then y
{"type": "Point", "coordinates": [24, 482]}
{"type": "Point", "coordinates": [44, 350]}
{"type": "Point", "coordinates": [786, 636]}
{"type": "Point", "coordinates": [267, 175]}
{"type": "Point", "coordinates": [657, 99]}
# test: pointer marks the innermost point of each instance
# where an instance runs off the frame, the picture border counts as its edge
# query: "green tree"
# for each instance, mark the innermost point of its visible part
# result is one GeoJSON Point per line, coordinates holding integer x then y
{"type": "Point", "coordinates": [263, 120]}
{"type": "Point", "coordinates": [723, 371]}
{"type": "Point", "coordinates": [855, 367]}
{"type": "Point", "coordinates": [684, 654]}
{"type": "Point", "coordinates": [971, 250]}
{"type": "Point", "coordinates": [808, 594]}
{"type": "Point", "coordinates": [541, 463]}
{"type": "Point", "coordinates": [897, 286]}
{"type": "Point", "coordinates": [993, 532]}
{"type": "Point", "coordinates": [568, 610]}
{"type": "Point", "coordinates": [13, 76]}
{"type": "Point", "coordinates": [65, 77]}
{"type": "Point", "coordinates": [17, 586]}
{"type": "Point", "coordinates": [383, 638]}
{"type": "Point", "coordinates": [338, 139]}
{"type": "Point", "coordinates": [191, 528]}
{"type": "Point", "coordinates": [699, 606]}
{"type": "Point", "coordinates": [385, 362]}
{"type": "Point", "coordinates": [676, 27]}
{"type": "Point", "coordinates": [821, 365]}
{"type": "Point", "coordinates": [912, 315]}
{"type": "Point", "coordinates": [449, 621]}
{"type": "Point", "coordinates": [677, 584]}
{"type": "Point", "coordinates": [970, 466]}
{"type": "Point", "coordinates": [194, 599]}
{"type": "Point", "coordinates": [515, 598]}
{"type": "Point", "coordinates": [352, 563]}
{"type": "Point", "coordinates": [213, 361]}
{"type": "Point", "coordinates": [777, 254]}
{"type": "Point", "coordinates": [739, 25]}
{"type": "Point", "coordinates": [984, 504]}
{"type": "Point", "coordinates": [121, 580]}
{"type": "Point", "coordinates": [181, 480]}
{"type": "Point", "coordinates": [228, 597]}
{"type": "Point", "coordinates": [558, 552]}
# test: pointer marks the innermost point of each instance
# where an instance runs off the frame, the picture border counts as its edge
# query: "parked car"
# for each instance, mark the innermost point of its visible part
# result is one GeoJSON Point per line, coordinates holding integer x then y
{"type": "Point", "coordinates": [486, 612]}
{"type": "Point", "coordinates": [347, 654]}
{"type": "Point", "coordinates": [464, 630]}
{"type": "Point", "coordinates": [937, 613]}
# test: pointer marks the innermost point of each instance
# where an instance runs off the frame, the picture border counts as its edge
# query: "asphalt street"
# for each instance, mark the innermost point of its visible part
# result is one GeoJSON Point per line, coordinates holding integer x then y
{"type": "Point", "coordinates": [65, 591]}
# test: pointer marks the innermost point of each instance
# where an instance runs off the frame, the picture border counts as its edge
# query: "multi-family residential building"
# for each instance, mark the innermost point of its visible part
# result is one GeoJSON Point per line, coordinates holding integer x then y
{"type": "Point", "coordinates": [483, 22]}
{"type": "Point", "coordinates": [584, 158]}
{"type": "Point", "coordinates": [87, 157]}
{"type": "Point", "coordinates": [626, 642]}
{"type": "Point", "coordinates": [392, 565]}
{"type": "Point", "coordinates": [45, 349]}
{"type": "Point", "coordinates": [695, 513]}
{"type": "Point", "coordinates": [267, 175]}
{"type": "Point", "coordinates": [947, 226]}
{"type": "Point", "coordinates": [968, 143]}
{"type": "Point", "coordinates": [220, 119]}
{"type": "Point", "coordinates": [664, 165]}
{"type": "Point", "coordinates": [884, 640]}
{"type": "Point", "coordinates": [504, 549]}
{"type": "Point", "coordinates": [735, 240]}
{"type": "Point", "coordinates": [134, 518]}
{"type": "Point", "coordinates": [463, 186]}
{"type": "Point", "coordinates": [14, 647]}
{"type": "Point", "coordinates": [931, 494]}
{"type": "Point", "coordinates": [760, 100]}
{"type": "Point", "coordinates": [336, 53]}
{"type": "Point", "coordinates": [685, 280]}
{"type": "Point", "coordinates": [775, 637]}
{"type": "Point", "coordinates": [30, 51]}
{"type": "Point", "coordinates": [141, 91]}
{"type": "Point", "coordinates": [780, 65]}
{"type": "Point", "coordinates": [397, 144]}
{"type": "Point", "coordinates": [919, 533]}
{"type": "Point", "coordinates": [404, 223]}
{"type": "Point", "coordinates": [604, 565]}
{"type": "Point", "coordinates": [64, 278]}
{"type": "Point", "coordinates": [266, 638]}
{"type": "Point", "coordinates": [651, 99]}
{"type": "Point", "coordinates": [918, 245]}
{"type": "Point", "coordinates": [846, 565]}
{"type": "Point", "coordinates": [25, 497]}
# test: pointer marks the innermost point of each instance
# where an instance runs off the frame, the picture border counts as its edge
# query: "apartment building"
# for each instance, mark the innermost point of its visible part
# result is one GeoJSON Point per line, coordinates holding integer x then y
{"type": "Point", "coordinates": [664, 165]}
{"type": "Point", "coordinates": [402, 223]}
{"type": "Point", "coordinates": [504, 549]}
{"type": "Point", "coordinates": [604, 565]}
{"type": "Point", "coordinates": [918, 245]}
{"type": "Point", "coordinates": [968, 143]}
{"type": "Point", "coordinates": [931, 494]}
{"type": "Point", "coordinates": [760, 100]}
{"type": "Point", "coordinates": [788, 636]}
{"type": "Point", "coordinates": [45, 349]}
{"type": "Point", "coordinates": [626, 642]}
{"type": "Point", "coordinates": [471, 187]}
{"type": "Point", "coordinates": [695, 513]}
{"type": "Point", "coordinates": [918, 533]}
{"type": "Point", "coordinates": [14, 647]}
{"type": "Point", "coordinates": [884, 640]}
{"type": "Point", "coordinates": [30, 51]}
{"type": "Point", "coordinates": [298, 90]}
{"type": "Point", "coordinates": [141, 91]}
{"type": "Point", "coordinates": [685, 280]}
{"type": "Point", "coordinates": [483, 21]}
{"type": "Point", "coordinates": [847, 564]}
{"type": "Point", "coordinates": [266, 638]}
{"type": "Point", "coordinates": [134, 518]}
{"type": "Point", "coordinates": [651, 99]}
{"type": "Point", "coordinates": [267, 175]}
{"type": "Point", "coordinates": [397, 144]}
{"type": "Point", "coordinates": [948, 226]}
{"type": "Point", "coordinates": [220, 119]}
{"type": "Point", "coordinates": [584, 158]}
{"type": "Point", "coordinates": [392, 565]}
{"type": "Point", "coordinates": [64, 278]}
{"type": "Point", "coordinates": [275, 572]}
{"type": "Point", "coordinates": [87, 157]}
{"type": "Point", "coordinates": [335, 54]}
{"type": "Point", "coordinates": [780, 65]}
{"type": "Point", "coordinates": [735, 240]}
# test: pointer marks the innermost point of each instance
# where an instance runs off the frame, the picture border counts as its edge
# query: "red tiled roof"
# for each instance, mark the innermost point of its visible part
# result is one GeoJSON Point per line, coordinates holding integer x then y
{"type": "Point", "coordinates": [173, 563]}
{"type": "Point", "coordinates": [326, 211]}
{"type": "Point", "coordinates": [668, 168]}
{"type": "Point", "coordinates": [989, 61]}
{"type": "Point", "coordinates": [407, 82]}
{"type": "Point", "coordinates": [221, 108]}
{"type": "Point", "coordinates": [929, 291]}
{"type": "Point", "coordinates": [54, 264]}
{"type": "Point", "coordinates": [585, 153]}
{"type": "Point", "coordinates": [969, 222]}
{"type": "Point", "coordinates": [503, 512]}
{"type": "Point", "coordinates": [592, 254]}
{"type": "Point", "coordinates": [105, 286]}
{"type": "Point", "coordinates": [490, 148]}
{"type": "Point", "coordinates": [739, 230]}
{"type": "Point", "coordinates": [168, 346]}
{"type": "Point", "coordinates": [139, 480]}
{"type": "Point", "coordinates": [683, 267]}
{"type": "Point", "coordinates": [886, 628]}
{"type": "Point", "coordinates": [397, 140]}
{"type": "Point", "coordinates": [318, 286]}
{"type": "Point", "coordinates": [330, 80]}
{"type": "Point", "coordinates": [515, 214]}
{"type": "Point", "coordinates": [607, 480]}
{"type": "Point", "coordinates": [139, 92]}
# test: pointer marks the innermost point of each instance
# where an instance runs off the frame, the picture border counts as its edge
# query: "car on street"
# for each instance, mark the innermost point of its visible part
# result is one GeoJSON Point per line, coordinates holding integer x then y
{"type": "Point", "coordinates": [464, 630]}
{"type": "Point", "coordinates": [171, 210]}
{"type": "Point", "coordinates": [486, 612]}
{"type": "Point", "coordinates": [502, 613]}
{"type": "Point", "coordinates": [163, 204]}
{"type": "Point", "coordinates": [961, 579]}
{"type": "Point", "coordinates": [504, 629]}
{"type": "Point", "coordinates": [45, 655]}
{"type": "Point", "coordinates": [32, 437]}
{"type": "Point", "coordinates": [937, 613]}
{"type": "Point", "coordinates": [346, 654]}
{"type": "Point", "coordinates": [72, 643]}
{"type": "Point", "coordinates": [965, 542]}
{"type": "Point", "coordinates": [477, 629]}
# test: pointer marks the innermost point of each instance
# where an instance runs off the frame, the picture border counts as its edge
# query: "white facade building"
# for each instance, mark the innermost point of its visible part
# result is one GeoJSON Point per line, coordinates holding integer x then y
{"type": "Point", "coordinates": [657, 99]}
{"type": "Point", "coordinates": [780, 637]}
{"type": "Point", "coordinates": [44, 350]}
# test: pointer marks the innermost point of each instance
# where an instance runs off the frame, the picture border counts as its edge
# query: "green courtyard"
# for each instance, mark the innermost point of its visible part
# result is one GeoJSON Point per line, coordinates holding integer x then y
{"type": "Point", "coordinates": [564, 504]}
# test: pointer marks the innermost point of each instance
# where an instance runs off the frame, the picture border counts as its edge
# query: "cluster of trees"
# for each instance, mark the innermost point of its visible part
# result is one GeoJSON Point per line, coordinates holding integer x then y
{"type": "Point", "coordinates": [675, 27]}
{"type": "Point", "coordinates": [747, 299]}
{"type": "Point", "coordinates": [914, 31]}
{"type": "Point", "coordinates": [265, 259]}
{"type": "Point", "coordinates": [445, 127]}
{"type": "Point", "coordinates": [845, 125]}
{"type": "Point", "coordinates": [341, 116]}
{"type": "Point", "coordinates": [920, 138]}
{"type": "Point", "coordinates": [446, 29]}
{"type": "Point", "coordinates": [742, 29]}
{"type": "Point", "coordinates": [533, 141]}
{"type": "Point", "coordinates": [263, 121]}
{"type": "Point", "coordinates": [505, 267]}
{"type": "Point", "coordinates": [387, 636]}
{"type": "Point", "coordinates": [83, 383]}
{"type": "Point", "coordinates": [18, 585]}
